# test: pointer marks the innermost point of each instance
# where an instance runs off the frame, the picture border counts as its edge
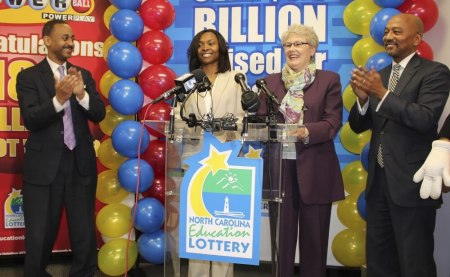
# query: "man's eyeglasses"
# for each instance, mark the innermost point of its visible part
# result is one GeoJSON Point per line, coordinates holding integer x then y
{"type": "Point", "coordinates": [297, 44]}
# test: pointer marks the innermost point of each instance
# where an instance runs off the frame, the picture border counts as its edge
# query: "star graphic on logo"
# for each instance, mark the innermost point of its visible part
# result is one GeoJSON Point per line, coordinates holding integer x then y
{"type": "Point", "coordinates": [216, 160]}
{"type": "Point", "coordinates": [253, 153]}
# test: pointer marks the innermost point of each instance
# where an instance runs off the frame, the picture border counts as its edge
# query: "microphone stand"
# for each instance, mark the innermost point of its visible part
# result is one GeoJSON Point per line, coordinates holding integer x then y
{"type": "Point", "coordinates": [192, 120]}
{"type": "Point", "coordinates": [172, 119]}
{"type": "Point", "coordinates": [244, 133]}
{"type": "Point", "coordinates": [275, 201]}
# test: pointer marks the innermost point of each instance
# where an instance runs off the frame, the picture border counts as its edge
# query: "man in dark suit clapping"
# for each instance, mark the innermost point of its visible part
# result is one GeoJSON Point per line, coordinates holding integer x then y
{"type": "Point", "coordinates": [56, 102]}
{"type": "Point", "coordinates": [401, 104]}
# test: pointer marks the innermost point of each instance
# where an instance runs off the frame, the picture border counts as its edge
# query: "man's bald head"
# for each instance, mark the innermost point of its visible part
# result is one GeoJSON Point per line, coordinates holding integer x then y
{"type": "Point", "coordinates": [410, 20]}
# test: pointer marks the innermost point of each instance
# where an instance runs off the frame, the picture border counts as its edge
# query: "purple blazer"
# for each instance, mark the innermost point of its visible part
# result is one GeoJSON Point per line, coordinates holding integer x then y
{"type": "Point", "coordinates": [318, 171]}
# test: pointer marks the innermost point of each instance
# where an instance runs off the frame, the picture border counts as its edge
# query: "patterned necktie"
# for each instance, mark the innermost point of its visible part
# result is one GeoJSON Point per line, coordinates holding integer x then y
{"type": "Point", "coordinates": [392, 85]}
{"type": "Point", "coordinates": [69, 134]}
{"type": "Point", "coordinates": [394, 78]}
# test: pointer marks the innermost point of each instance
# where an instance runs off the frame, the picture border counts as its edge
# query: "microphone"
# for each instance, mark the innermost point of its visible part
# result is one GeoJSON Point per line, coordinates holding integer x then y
{"type": "Point", "coordinates": [262, 85]}
{"type": "Point", "coordinates": [183, 84]}
{"type": "Point", "coordinates": [249, 99]}
{"type": "Point", "coordinates": [240, 79]}
{"type": "Point", "coordinates": [205, 84]}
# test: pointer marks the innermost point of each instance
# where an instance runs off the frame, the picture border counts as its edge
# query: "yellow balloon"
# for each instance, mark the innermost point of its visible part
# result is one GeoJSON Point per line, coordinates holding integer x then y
{"type": "Point", "coordinates": [353, 142]}
{"type": "Point", "coordinates": [113, 220]}
{"type": "Point", "coordinates": [112, 119]}
{"type": "Point", "coordinates": [108, 79]}
{"type": "Point", "coordinates": [109, 190]}
{"type": "Point", "coordinates": [109, 41]}
{"type": "Point", "coordinates": [358, 14]}
{"type": "Point", "coordinates": [108, 14]}
{"type": "Point", "coordinates": [112, 257]}
{"type": "Point", "coordinates": [348, 214]}
{"type": "Point", "coordinates": [348, 97]}
{"type": "Point", "coordinates": [364, 49]}
{"type": "Point", "coordinates": [349, 247]}
{"type": "Point", "coordinates": [108, 156]}
{"type": "Point", "coordinates": [131, 235]}
{"type": "Point", "coordinates": [355, 177]}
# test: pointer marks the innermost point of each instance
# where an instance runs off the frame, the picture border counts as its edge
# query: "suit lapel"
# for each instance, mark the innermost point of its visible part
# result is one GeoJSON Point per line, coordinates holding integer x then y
{"type": "Point", "coordinates": [280, 90]}
{"type": "Point", "coordinates": [218, 92]}
{"type": "Point", "coordinates": [409, 71]}
{"type": "Point", "coordinates": [47, 76]}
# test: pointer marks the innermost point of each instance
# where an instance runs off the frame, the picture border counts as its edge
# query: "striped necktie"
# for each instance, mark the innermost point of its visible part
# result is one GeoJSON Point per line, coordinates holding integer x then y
{"type": "Point", "coordinates": [69, 134]}
{"type": "Point", "coordinates": [392, 85]}
{"type": "Point", "coordinates": [394, 78]}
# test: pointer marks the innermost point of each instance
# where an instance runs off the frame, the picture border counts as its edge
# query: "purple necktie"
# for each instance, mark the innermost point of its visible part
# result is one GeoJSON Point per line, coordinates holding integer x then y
{"type": "Point", "coordinates": [69, 134]}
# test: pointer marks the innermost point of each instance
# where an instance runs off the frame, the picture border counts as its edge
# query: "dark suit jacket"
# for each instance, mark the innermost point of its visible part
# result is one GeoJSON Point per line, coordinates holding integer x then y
{"type": "Point", "coordinates": [45, 144]}
{"type": "Point", "coordinates": [320, 179]}
{"type": "Point", "coordinates": [406, 126]}
{"type": "Point", "coordinates": [445, 131]}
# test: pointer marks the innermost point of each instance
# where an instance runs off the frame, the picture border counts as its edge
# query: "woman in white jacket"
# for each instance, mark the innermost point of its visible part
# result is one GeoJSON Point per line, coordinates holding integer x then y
{"type": "Point", "coordinates": [209, 52]}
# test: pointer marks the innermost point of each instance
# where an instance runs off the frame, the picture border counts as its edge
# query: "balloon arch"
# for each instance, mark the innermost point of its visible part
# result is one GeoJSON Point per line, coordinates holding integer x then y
{"type": "Point", "coordinates": [131, 182]}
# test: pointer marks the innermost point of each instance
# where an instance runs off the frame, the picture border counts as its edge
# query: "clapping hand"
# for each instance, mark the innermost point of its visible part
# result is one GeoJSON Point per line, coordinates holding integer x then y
{"type": "Point", "coordinates": [78, 89]}
{"type": "Point", "coordinates": [65, 86]}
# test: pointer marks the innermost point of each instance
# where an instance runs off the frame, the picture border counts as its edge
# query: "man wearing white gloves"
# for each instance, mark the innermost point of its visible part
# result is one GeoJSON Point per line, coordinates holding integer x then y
{"type": "Point", "coordinates": [437, 166]}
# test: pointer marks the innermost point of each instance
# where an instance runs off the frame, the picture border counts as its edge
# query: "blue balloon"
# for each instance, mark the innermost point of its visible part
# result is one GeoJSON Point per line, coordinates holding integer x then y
{"type": "Point", "coordinates": [127, 4]}
{"type": "Point", "coordinates": [379, 61]}
{"type": "Point", "coordinates": [126, 138]}
{"type": "Point", "coordinates": [124, 59]}
{"type": "Point", "coordinates": [361, 205]}
{"type": "Point", "coordinates": [126, 97]}
{"type": "Point", "coordinates": [365, 156]}
{"type": "Point", "coordinates": [151, 247]}
{"type": "Point", "coordinates": [389, 3]}
{"type": "Point", "coordinates": [126, 25]}
{"type": "Point", "coordinates": [379, 22]}
{"type": "Point", "coordinates": [149, 215]}
{"type": "Point", "coordinates": [133, 171]}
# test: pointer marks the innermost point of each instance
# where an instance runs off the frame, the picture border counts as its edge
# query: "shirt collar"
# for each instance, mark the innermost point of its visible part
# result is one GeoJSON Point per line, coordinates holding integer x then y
{"type": "Point", "coordinates": [54, 66]}
{"type": "Point", "coordinates": [405, 61]}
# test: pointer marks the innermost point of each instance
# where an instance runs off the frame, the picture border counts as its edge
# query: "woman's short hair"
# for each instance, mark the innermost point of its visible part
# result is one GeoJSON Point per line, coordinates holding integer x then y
{"type": "Point", "coordinates": [194, 60]}
{"type": "Point", "coordinates": [301, 30]}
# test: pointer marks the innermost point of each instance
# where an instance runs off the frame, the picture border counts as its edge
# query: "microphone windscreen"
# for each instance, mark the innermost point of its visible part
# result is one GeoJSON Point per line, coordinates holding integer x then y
{"type": "Point", "coordinates": [239, 77]}
{"type": "Point", "coordinates": [199, 75]}
{"type": "Point", "coordinates": [260, 82]}
{"type": "Point", "coordinates": [250, 101]}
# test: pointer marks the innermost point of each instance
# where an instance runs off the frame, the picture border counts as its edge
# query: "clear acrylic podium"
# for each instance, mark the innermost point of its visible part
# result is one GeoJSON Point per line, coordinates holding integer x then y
{"type": "Point", "coordinates": [277, 142]}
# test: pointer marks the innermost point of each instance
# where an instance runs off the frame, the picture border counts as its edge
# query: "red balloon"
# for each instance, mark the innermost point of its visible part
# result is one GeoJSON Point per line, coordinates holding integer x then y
{"type": "Point", "coordinates": [427, 10]}
{"type": "Point", "coordinates": [157, 189]}
{"type": "Point", "coordinates": [156, 79]}
{"type": "Point", "coordinates": [425, 51]}
{"type": "Point", "coordinates": [155, 47]}
{"type": "Point", "coordinates": [158, 112]}
{"type": "Point", "coordinates": [155, 155]}
{"type": "Point", "coordinates": [157, 14]}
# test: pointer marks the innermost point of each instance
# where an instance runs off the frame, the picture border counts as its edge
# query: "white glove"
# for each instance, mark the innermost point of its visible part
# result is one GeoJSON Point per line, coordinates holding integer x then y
{"type": "Point", "coordinates": [435, 169]}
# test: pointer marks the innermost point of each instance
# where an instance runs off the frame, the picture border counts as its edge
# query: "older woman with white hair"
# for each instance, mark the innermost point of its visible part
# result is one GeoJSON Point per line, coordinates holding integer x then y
{"type": "Point", "coordinates": [311, 179]}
